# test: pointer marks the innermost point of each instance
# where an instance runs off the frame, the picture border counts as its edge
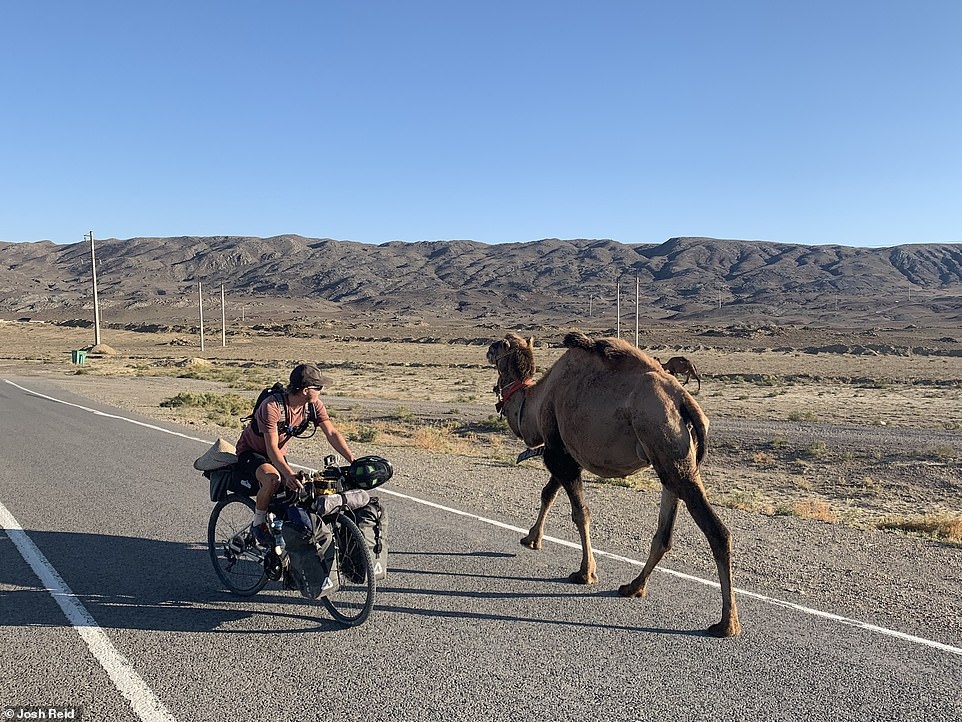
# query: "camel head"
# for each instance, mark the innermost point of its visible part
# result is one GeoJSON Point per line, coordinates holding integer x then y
{"type": "Point", "coordinates": [513, 357]}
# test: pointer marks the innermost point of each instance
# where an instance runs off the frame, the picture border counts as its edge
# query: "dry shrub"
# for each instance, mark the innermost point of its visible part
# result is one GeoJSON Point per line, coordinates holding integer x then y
{"type": "Point", "coordinates": [431, 438]}
{"type": "Point", "coordinates": [363, 433]}
{"type": "Point", "coordinates": [644, 480]}
{"type": "Point", "coordinates": [818, 449]}
{"type": "Point", "coordinates": [816, 509]}
{"type": "Point", "coordinates": [741, 499]}
{"type": "Point", "coordinates": [940, 526]}
{"type": "Point", "coordinates": [870, 484]}
{"type": "Point", "coordinates": [940, 452]}
{"type": "Point", "coordinates": [443, 440]}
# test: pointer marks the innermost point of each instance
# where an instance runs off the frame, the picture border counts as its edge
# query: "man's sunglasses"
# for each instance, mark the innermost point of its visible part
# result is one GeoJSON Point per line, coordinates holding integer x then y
{"type": "Point", "coordinates": [315, 388]}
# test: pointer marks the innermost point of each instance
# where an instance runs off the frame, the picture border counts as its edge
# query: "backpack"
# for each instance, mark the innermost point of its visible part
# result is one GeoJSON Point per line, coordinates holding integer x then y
{"type": "Point", "coordinates": [278, 393]}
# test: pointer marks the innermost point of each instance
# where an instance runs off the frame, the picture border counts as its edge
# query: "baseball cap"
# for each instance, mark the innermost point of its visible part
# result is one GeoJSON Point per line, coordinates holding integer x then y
{"type": "Point", "coordinates": [308, 375]}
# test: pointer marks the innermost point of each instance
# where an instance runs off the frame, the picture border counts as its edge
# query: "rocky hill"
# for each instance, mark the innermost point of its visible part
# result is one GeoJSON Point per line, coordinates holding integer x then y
{"type": "Point", "coordinates": [703, 280]}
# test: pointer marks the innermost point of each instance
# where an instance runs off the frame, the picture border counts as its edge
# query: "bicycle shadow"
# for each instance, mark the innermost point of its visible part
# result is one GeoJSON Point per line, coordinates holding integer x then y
{"type": "Point", "coordinates": [143, 584]}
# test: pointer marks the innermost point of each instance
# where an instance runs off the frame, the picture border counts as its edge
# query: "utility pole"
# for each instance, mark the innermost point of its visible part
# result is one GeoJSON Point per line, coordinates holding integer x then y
{"type": "Point", "coordinates": [223, 318]}
{"type": "Point", "coordinates": [618, 307]}
{"type": "Point", "coordinates": [93, 272]}
{"type": "Point", "coordinates": [591, 297]}
{"type": "Point", "coordinates": [200, 297]}
{"type": "Point", "coordinates": [637, 303]}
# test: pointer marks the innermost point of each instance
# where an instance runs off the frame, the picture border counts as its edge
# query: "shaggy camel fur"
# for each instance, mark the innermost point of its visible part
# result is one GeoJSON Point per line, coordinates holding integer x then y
{"type": "Point", "coordinates": [608, 408]}
{"type": "Point", "coordinates": [678, 365]}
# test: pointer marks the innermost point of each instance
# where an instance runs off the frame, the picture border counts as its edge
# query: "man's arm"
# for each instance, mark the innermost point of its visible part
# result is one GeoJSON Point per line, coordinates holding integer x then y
{"type": "Point", "coordinates": [274, 453]}
{"type": "Point", "coordinates": [336, 439]}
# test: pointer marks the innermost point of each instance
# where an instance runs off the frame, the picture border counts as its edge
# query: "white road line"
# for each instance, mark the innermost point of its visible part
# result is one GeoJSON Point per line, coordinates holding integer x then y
{"type": "Point", "coordinates": [562, 542]}
{"type": "Point", "coordinates": [125, 678]}
{"type": "Point", "coordinates": [104, 413]}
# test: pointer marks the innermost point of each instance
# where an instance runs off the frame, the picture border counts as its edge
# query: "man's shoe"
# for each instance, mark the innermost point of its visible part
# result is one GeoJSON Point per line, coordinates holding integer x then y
{"type": "Point", "coordinates": [262, 535]}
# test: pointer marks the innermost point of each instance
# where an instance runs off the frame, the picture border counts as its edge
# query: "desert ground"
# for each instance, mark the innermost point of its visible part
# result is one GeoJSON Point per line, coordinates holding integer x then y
{"type": "Point", "coordinates": [859, 427]}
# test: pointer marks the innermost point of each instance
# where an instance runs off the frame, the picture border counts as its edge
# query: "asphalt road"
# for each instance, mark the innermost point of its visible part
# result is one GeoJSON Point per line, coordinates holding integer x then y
{"type": "Point", "coordinates": [131, 623]}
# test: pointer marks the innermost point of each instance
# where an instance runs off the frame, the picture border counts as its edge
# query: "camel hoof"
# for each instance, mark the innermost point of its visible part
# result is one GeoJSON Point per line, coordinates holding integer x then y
{"type": "Point", "coordinates": [731, 629]}
{"type": "Point", "coordinates": [626, 590]}
{"type": "Point", "coordinates": [579, 578]}
{"type": "Point", "coordinates": [531, 543]}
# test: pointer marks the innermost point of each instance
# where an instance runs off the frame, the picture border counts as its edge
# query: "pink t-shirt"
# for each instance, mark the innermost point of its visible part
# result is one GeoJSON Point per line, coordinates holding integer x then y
{"type": "Point", "coordinates": [270, 414]}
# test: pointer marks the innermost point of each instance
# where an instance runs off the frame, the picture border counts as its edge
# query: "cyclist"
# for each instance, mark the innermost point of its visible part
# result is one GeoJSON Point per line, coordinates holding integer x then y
{"type": "Point", "coordinates": [262, 447]}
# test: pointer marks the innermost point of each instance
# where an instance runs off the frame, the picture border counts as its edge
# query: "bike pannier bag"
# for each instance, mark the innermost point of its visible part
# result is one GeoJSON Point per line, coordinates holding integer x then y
{"type": "Point", "coordinates": [220, 482]}
{"type": "Point", "coordinates": [373, 523]}
{"type": "Point", "coordinates": [313, 566]}
{"type": "Point", "coordinates": [239, 484]}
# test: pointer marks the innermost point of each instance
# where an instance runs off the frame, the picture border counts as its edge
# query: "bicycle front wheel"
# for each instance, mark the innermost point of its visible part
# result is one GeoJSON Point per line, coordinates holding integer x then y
{"type": "Point", "coordinates": [353, 601]}
{"type": "Point", "coordinates": [236, 557]}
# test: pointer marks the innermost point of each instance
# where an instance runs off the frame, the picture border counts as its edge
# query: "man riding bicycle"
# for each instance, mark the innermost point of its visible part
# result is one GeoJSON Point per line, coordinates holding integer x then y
{"type": "Point", "coordinates": [262, 446]}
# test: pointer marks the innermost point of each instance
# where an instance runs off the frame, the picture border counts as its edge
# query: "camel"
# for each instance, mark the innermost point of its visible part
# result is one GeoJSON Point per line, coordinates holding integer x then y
{"type": "Point", "coordinates": [678, 365]}
{"type": "Point", "coordinates": [610, 409]}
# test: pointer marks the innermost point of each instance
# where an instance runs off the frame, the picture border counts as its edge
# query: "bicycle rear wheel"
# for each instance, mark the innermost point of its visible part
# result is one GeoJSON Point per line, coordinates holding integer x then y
{"type": "Point", "coordinates": [237, 559]}
{"type": "Point", "coordinates": [353, 601]}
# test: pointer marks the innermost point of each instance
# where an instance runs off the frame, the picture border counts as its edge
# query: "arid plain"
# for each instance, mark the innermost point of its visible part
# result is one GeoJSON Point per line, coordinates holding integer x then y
{"type": "Point", "coordinates": [861, 427]}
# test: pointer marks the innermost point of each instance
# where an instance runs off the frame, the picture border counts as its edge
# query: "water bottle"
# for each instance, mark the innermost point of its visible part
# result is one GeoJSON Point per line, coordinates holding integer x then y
{"type": "Point", "coordinates": [276, 526]}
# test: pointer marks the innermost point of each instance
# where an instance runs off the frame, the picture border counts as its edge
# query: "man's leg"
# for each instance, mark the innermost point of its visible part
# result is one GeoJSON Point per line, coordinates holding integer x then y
{"type": "Point", "coordinates": [268, 479]}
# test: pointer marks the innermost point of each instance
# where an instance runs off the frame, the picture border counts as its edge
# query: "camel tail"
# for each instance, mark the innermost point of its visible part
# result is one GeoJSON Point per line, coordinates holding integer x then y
{"type": "Point", "coordinates": [692, 415]}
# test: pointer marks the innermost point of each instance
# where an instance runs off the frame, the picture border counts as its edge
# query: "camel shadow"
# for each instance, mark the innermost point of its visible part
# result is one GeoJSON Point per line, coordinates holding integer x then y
{"type": "Point", "coordinates": [490, 555]}
{"type": "Point", "coordinates": [494, 594]}
{"type": "Point", "coordinates": [460, 614]}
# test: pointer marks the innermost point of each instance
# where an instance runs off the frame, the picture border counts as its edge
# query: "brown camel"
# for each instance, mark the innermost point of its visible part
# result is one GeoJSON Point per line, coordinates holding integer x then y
{"type": "Point", "coordinates": [608, 408]}
{"type": "Point", "coordinates": [678, 365]}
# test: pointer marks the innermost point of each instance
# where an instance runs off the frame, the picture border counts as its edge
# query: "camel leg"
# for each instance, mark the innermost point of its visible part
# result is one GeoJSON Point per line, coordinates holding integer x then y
{"type": "Point", "coordinates": [660, 544]}
{"type": "Point", "coordinates": [720, 541]}
{"type": "Point", "coordinates": [566, 473]}
{"type": "Point", "coordinates": [548, 495]}
{"type": "Point", "coordinates": [582, 519]}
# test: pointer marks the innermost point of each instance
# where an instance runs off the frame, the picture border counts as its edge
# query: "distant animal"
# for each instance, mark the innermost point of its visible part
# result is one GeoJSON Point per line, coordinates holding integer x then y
{"type": "Point", "coordinates": [678, 365]}
{"type": "Point", "coordinates": [608, 408]}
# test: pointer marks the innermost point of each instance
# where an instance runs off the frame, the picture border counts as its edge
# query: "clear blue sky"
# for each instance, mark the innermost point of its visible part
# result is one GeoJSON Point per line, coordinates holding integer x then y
{"type": "Point", "coordinates": [810, 122]}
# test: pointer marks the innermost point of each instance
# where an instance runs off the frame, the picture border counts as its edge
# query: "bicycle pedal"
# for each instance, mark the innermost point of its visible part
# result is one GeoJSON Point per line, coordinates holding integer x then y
{"type": "Point", "coordinates": [237, 545]}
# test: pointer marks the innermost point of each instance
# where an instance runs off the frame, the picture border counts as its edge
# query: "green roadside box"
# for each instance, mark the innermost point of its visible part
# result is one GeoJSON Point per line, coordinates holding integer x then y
{"type": "Point", "coordinates": [79, 356]}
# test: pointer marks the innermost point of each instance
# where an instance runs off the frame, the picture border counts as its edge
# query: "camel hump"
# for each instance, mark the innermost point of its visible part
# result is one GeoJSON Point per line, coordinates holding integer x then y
{"type": "Point", "coordinates": [576, 339]}
{"type": "Point", "coordinates": [612, 349]}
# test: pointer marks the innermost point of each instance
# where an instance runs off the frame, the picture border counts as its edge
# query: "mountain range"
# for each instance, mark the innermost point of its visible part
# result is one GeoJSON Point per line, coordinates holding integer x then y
{"type": "Point", "coordinates": [683, 279]}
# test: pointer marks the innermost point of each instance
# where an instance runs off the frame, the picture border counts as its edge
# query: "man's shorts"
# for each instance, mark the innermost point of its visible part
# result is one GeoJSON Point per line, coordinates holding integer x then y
{"type": "Point", "coordinates": [248, 463]}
